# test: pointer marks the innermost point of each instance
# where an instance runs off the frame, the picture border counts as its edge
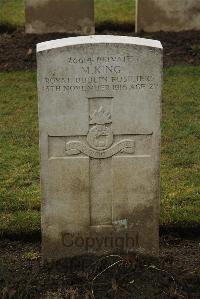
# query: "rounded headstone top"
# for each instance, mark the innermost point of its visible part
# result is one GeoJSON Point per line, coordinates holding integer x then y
{"type": "Point", "coordinates": [98, 39]}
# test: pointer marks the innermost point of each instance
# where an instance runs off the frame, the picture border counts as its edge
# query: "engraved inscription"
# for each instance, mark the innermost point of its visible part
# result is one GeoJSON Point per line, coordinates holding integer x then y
{"type": "Point", "coordinates": [100, 137]}
{"type": "Point", "coordinates": [101, 59]}
{"type": "Point", "coordinates": [106, 73]}
{"type": "Point", "coordinates": [95, 82]}
{"type": "Point", "coordinates": [100, 145]}
{"type": "Point", "coordinates": [77, 147]}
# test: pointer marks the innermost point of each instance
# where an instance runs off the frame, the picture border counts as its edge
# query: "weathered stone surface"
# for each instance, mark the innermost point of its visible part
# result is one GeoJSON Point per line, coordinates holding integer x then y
{"type": "Point", "coordinates": [99, 115]}
{"type": "Point", "coordinates": [167, 15]}
{"type": "Point", "coordinates": [71, 16]}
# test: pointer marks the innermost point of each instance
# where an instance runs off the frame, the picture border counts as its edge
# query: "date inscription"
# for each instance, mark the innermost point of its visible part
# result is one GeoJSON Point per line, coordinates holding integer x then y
{"type": "Point", "coordinates": [98, 74]}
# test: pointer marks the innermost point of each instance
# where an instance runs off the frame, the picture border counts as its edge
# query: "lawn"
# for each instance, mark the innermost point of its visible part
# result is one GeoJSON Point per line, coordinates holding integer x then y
{"type": "Point", "coordinates": [115, 11]}
{"type": "Point", "coordinates": [180, 168]}
{"type": "Point", "coordinates": [19, 160]}
{"type": "Point", "coordinates": [12, 13]}
{"type": "Point", "coordinates": [106, 11]}
{"type": "Point", "coordinates": [19, 186]}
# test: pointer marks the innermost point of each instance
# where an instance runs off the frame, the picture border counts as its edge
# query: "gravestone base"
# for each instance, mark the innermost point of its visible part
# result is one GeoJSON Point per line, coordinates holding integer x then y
{"type": "Point", "coordinates": [101, 240]}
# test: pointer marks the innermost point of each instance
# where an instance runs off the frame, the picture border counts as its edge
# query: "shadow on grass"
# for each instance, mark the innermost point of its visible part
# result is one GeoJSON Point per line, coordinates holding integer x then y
{"type": "Point", "coordinates": [99, 27]}
{"type": "Point", "coordinates": [8, 28]}
{"type": "Point", "coordinates": [112, 26]}
{"type": "Point", "coordinates": [34, 236]}
{"type": "Point", "coordinates": [184, 231]}
{"type": "Point", "coordinates": [181, 231]}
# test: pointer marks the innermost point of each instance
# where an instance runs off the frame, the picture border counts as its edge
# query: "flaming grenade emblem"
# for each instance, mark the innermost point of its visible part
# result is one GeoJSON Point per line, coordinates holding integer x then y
{"type": "Point", "coordinates": [100, 135]}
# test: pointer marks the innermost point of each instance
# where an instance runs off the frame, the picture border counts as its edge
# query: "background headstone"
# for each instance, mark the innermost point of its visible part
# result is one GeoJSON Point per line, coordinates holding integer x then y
{"type": "Point", "coordinates": [71, 16]}
{"type": "Point", "coordinates": [167, 15]}
{"type": "Point", "coordinates": [99, 115]}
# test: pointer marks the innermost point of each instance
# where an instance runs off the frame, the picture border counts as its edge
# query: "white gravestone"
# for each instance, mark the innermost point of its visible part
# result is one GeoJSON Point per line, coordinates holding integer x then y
{"type": "Point", "coordinates": [49, 16]}
{"type": "Point", "coordinates": [167, 15]}
{"type": "Point", "coordinates": [99, 116]}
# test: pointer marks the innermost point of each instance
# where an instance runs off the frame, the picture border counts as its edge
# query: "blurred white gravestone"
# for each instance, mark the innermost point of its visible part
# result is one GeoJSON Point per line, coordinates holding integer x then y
{"type": "Point", "coordinates": [167, 15]}
{"type": "Point", "coordinates": [99, 116]}
{"type": "Point", "coordinates": [71, 16]}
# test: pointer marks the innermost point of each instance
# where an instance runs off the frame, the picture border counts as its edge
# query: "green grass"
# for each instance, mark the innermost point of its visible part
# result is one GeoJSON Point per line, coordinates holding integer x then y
{"type": "Point", "coordinates": [180, 166]}
{"type": "Point", "coordinates": [114, 11]}
{"type": "Point", "coordinates": [19, 157]}
{"type": "Point", "coordinates": [106, 11]}
{"type": "Point", "coordinates": [19, 162]}
{"type": "Point", "coordinates": [12, 13]}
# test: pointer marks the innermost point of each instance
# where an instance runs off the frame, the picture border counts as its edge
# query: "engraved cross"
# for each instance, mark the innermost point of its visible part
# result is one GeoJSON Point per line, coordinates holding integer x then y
{"type": "Point", "coordinates": [100, 145]}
